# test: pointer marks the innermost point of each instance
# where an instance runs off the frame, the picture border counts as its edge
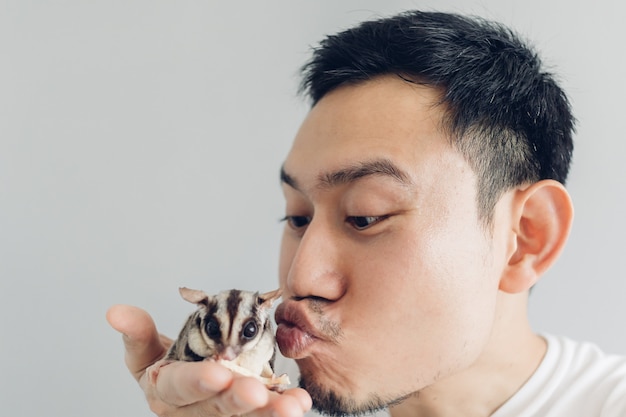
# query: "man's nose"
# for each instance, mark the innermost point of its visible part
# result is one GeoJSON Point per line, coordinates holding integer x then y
{"type": "Point", "coordinates": [318, 267]}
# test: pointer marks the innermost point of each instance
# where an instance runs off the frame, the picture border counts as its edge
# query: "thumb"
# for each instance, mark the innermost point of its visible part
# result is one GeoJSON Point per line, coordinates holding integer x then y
{"type": "Point", "coordinates": [143, 344]}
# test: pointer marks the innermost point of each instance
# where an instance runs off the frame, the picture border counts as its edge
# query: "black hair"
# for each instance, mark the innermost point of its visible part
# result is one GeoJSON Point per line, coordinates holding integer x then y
{"type": "Point", "coordinates": [504, 113]}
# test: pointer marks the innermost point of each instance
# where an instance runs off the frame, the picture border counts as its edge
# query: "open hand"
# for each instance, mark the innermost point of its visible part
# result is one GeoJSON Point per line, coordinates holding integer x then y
{"type": "Point", "coordinates": [186, 389]}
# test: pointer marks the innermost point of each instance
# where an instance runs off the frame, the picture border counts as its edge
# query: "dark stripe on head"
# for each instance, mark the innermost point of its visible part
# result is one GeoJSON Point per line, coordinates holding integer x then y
{"type": "Point", "coordinates": [209, 323]}
{"type": "Point", "coordinates": [211, 307]}
{"type": "Point", "coordinates": [254, 310]}
{"type": "Point", "coordinates": [232, 307]}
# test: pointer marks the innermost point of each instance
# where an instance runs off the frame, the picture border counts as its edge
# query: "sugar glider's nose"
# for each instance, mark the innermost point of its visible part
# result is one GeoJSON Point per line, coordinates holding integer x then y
{"type": "Point", "coordinates": [229, 353]}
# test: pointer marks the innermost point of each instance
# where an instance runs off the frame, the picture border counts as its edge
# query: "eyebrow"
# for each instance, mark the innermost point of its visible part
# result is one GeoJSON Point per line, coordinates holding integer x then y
{"type": "Point", "coordinates": [382, 167]}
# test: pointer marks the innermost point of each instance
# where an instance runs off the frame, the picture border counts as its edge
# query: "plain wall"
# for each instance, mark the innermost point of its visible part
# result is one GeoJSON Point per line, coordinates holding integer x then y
{"type": "Point", "coordinates": [140, 143]}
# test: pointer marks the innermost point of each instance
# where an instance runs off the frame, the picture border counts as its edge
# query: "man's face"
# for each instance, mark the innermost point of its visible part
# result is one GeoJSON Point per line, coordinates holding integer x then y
{"type": "Point", "coordinates": [390, 282]}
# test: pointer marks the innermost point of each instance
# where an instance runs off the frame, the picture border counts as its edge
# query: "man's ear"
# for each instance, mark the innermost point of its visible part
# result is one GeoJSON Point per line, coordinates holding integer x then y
{"type": "Point", "coordinates": [542, 220]}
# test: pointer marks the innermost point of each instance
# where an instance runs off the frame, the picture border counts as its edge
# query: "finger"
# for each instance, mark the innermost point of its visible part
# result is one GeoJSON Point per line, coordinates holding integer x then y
{"type": "Point", "coordinates": [290, 403]}
{"type": "Point", "coordinates": [303, 398]}
{"type": "Point", "coordinates": [243, 396]}
{"type": "Point", "coordinates": [142, 341]}
{"type": "Point", "coordinates": [183, 383]}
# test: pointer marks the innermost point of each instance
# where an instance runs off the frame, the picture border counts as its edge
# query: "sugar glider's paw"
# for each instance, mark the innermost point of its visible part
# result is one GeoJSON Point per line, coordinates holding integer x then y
{"type": "Point", "coordinates": [275, 383]}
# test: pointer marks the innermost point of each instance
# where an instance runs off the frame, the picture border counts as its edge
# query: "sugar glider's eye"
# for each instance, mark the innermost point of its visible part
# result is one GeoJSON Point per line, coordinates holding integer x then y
{"type": "Point", "coordinates": [212, 328]}
{"type": "Point", "coordinates": [250, 330]}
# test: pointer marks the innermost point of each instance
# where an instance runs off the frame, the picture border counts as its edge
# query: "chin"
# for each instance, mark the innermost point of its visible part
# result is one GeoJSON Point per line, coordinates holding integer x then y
{"type": "Point", "coordinates": [330, 402]}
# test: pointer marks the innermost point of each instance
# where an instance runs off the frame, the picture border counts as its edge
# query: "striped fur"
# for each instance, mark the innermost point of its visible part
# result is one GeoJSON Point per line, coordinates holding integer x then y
{"type": "Point", "coordinates": [223, 328]}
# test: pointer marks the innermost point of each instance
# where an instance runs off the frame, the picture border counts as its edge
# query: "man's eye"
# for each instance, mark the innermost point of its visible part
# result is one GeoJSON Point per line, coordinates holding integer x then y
{"type": "Point", "coordinates": [363, 222]}
{"type": "Point", "coordinates": [297, 222]}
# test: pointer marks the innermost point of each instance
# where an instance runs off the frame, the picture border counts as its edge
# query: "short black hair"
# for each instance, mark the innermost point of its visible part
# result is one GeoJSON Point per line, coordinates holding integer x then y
{"type": "Point", "coordinates": [503, 111]}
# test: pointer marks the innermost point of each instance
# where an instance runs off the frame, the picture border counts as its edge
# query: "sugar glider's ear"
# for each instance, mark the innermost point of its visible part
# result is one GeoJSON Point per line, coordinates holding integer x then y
{"type": "Point", "coordinates": [267, 300]}
{"type": "Point", "coordinates": [542, 219]}
{"type": "Point", "coordinates": [194, 296]}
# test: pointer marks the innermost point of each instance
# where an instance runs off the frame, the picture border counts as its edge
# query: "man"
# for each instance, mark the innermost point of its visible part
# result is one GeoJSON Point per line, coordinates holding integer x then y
{"type": "Point", "coordinates": [424, 198]}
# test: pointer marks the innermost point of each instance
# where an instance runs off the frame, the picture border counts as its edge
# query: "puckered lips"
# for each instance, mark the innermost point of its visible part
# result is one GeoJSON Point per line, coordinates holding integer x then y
{"type": "Point", "coordinates": [295, 332]}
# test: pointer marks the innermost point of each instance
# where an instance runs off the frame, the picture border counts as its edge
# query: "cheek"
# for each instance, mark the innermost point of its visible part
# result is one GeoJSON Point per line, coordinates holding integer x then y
{"type": "Point", "coordinates": [458, 285]}
{"type": "Point", "coordinates": [287, 252]}
{"type": "Point", "coordinates": [427, 308]}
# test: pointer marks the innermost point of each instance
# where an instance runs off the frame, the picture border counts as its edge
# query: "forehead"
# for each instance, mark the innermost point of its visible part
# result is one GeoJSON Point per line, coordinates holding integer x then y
{"type": "Point", "coordinates": [386, 118]}
{"type": "Point", "coordinates": [234, 303]}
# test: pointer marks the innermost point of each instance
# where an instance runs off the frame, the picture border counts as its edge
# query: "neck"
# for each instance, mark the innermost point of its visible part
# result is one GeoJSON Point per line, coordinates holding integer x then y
{"type": "Point", "coordinates": [510, 357]}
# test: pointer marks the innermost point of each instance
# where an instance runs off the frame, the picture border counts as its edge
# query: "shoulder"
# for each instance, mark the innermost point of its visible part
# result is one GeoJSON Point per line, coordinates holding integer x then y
{"type": "Point", "coordinates": [583, 360]}
{"type": "Point", "coordinates": [586, 371]}
{"type": "Point", "coordinates": [575, 379]}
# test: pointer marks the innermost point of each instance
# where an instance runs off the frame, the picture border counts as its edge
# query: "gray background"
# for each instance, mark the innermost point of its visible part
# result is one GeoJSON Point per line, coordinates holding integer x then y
{"type": "Point", "coordinates": [140, 143]}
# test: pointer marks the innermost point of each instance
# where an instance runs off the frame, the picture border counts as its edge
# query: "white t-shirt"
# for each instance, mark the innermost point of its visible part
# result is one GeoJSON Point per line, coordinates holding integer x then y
{"type": "Point", "coordinates": [573, 380]}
